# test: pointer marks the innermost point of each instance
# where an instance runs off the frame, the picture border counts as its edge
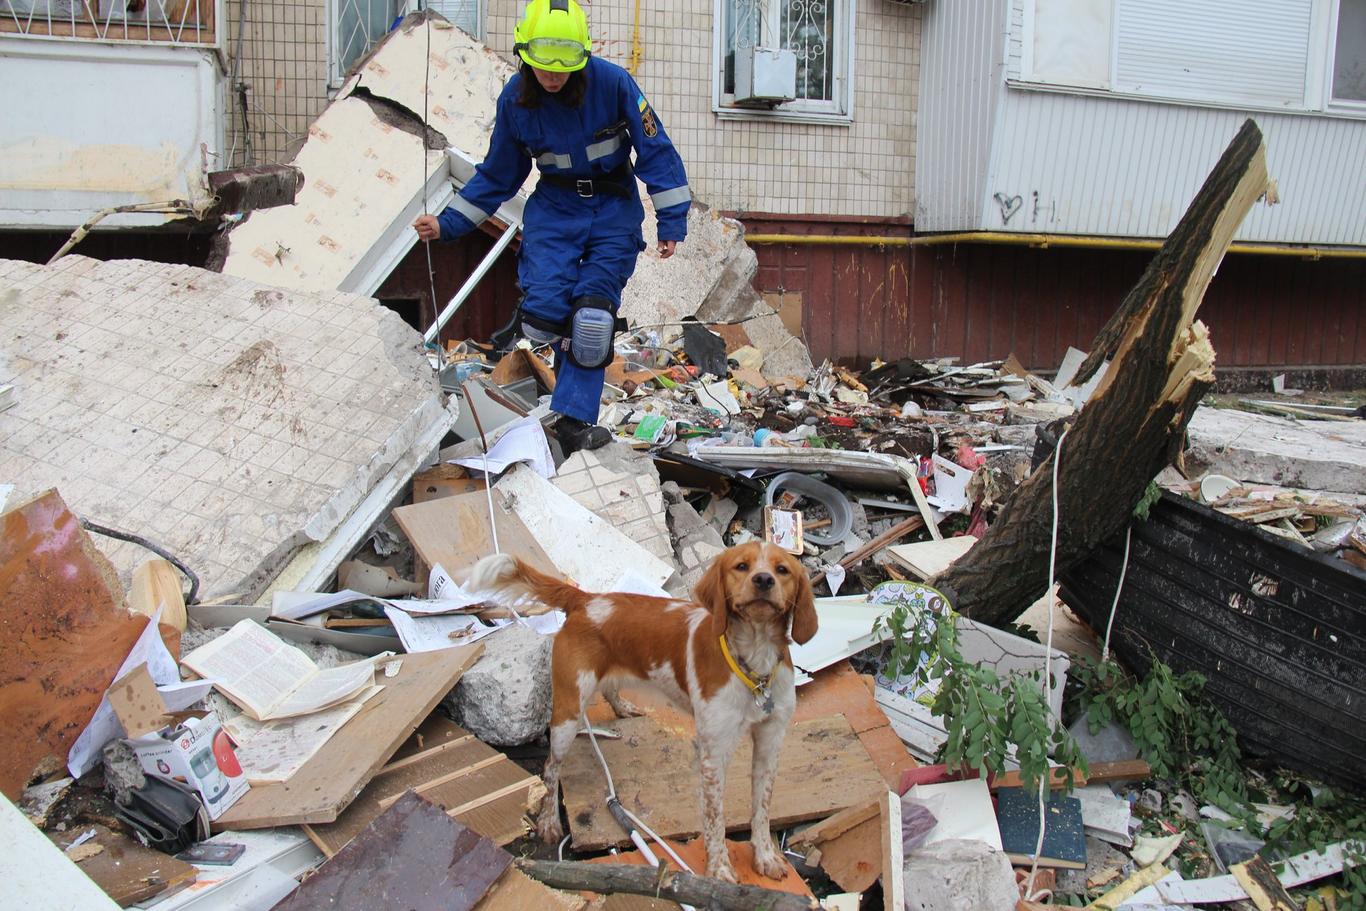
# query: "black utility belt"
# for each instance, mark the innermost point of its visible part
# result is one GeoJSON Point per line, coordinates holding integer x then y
{"type": "Point", "coordinates": [588, 187]}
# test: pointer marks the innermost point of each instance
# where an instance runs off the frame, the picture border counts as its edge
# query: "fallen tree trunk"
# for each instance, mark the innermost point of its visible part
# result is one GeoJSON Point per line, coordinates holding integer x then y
{"type": "Point", "coordinates": [686, 888]}
{"type": "Point", "coordinates": [1161, 363]}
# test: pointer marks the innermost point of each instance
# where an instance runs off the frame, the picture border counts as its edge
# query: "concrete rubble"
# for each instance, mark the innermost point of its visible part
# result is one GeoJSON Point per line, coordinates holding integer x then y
{"type": "Point", "coordinates": [263, 424]}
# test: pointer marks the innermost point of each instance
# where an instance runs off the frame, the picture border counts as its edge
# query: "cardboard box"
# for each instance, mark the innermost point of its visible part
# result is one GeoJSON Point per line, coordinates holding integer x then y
{"type": "Point", "coordinates": [198, 752]}
{"type": "Point", "coordinates": [190, 747]}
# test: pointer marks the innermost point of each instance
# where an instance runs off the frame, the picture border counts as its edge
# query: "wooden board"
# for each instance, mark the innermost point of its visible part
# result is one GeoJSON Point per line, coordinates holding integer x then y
{"type": "Point", "coordinates": [64, 631]}
{"type": "Point", "coordinates": [822, 768]}
{"type": "Point", "coordinates": [454, 532]}
{"type": "Point", "coordinates": [125, 870]}
{"type": "Point", "coordinates": [456, 770]}
{"type": "Point", "coordinates": [849, 845]}
{"type": "Point", "coordinates": [515, 891]}
{"type": "Point", "coordinates": [324, 787]}
{"type": "Point", "coordinates": [929, 558]}
{"type": "Point", "coordinates": [444, 481]}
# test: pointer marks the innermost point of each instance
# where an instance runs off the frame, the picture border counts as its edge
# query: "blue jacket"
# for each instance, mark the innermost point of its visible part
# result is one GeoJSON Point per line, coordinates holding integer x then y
{"type": "Point", "coordinates": [580, 142]}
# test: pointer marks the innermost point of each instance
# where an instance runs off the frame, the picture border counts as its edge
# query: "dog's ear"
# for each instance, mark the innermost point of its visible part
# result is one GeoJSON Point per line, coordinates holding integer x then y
{"type": "Point", "coordinates": [803, 607]}
{"type": "Point", "coordinates": [710, 592]}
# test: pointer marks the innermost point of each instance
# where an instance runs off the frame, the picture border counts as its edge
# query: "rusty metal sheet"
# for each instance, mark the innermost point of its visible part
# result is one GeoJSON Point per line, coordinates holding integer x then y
{"type": "Point", "coordinates": [413, 857]}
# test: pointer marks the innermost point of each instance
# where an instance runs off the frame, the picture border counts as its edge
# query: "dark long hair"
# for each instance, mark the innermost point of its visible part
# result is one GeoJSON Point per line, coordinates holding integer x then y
{"type": "Point", "coordinates": [530, 94]}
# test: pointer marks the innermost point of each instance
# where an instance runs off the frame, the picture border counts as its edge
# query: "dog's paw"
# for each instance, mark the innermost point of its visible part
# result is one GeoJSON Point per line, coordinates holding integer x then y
{"type": "Point", "coordinates": [723, 871]}
{"type": "Point", "coordinates": [625, 709]}
{"type": "Point", "coordinates": [769, 864]}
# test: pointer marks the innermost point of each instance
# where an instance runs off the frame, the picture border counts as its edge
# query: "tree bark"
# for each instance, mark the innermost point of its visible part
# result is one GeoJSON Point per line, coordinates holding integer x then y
{"type": "Point", "coordinates": [687, 888]}
{"type": "Point", "coordinates": [1161, 363]}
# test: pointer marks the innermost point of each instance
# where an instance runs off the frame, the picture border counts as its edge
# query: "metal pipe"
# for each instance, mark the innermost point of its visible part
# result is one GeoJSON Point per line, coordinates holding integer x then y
{"type": "Point", "coordinates": [432, 334]}
{"type": "Point", "coordinates": [1041, 241]}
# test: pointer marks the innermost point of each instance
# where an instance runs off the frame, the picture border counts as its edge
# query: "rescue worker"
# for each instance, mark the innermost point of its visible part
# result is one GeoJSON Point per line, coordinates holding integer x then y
{"type": "Point", "coordinates": [579, 118]}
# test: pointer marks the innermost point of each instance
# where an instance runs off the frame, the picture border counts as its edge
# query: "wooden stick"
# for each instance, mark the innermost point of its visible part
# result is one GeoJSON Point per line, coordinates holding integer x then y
{"type": "Point", "coordinates": [684, 888]}
{"type": "Point", "coordinates": [890, 536]}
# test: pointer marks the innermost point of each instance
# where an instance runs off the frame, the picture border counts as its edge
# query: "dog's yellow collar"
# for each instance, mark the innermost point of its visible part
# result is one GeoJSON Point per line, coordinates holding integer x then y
{"type": "Point", "coordinates": [755, 687]}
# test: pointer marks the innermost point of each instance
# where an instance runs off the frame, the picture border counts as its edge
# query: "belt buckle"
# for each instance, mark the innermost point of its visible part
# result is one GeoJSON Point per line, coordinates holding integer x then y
{"type": "Point", "coordinates": [584, 188]}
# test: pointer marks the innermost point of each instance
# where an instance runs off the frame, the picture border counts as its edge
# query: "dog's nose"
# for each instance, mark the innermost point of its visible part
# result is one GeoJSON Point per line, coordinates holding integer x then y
{"type": "Point", "coordinates": [762, 581]}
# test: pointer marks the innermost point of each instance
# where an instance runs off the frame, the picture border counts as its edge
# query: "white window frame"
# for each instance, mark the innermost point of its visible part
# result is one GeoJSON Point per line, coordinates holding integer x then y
{"type": "Point", "coordinates": [840, 110]}
{"type": "Point", "coordinates": [1318, 87]}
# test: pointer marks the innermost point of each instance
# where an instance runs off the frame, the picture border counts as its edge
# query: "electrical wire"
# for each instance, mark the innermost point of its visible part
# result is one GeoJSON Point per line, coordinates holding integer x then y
{"type": "Point", "coordinates": [1119, 587]}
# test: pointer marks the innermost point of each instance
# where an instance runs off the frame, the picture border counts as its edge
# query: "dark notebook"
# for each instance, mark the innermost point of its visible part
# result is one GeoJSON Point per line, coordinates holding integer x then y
{"type": "Point", "coordinates": [1064, 840]}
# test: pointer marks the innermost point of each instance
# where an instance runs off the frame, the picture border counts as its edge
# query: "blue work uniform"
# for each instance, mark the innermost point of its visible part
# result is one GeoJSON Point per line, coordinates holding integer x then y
{"type": "Point", "coordinates": [577, 244]}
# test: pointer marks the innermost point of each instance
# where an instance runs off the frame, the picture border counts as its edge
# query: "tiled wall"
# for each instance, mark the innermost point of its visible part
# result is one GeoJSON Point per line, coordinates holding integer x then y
{"type": "Point", "coordinates": [864, 168]}
{"type": "Point", "coordinates": [284, 65]}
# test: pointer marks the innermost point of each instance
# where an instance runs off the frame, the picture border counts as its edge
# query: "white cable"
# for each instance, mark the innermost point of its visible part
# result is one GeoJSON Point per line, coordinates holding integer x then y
{"type": "Point", "coordinates": [1048, 659]}
{"type": "Point", "coordinates": [1123, 568]}
{"type": "Point", "coordinates": [612, 795]}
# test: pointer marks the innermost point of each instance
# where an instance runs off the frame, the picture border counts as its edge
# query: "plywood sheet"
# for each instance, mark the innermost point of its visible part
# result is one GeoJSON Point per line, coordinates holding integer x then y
{"type": "Point", "coordinates": [929, 558]}
{"type": "Point", "coordinates": [822, 768]}
{"type": "Point", "coordinates": [454, 532]}
{"type": "Point", "coordinates": [324, 787]}
{"type": "Point", "coordinates": [516, 891]}
{"type": "Point", "coordinates": [455, 771]}
{"type": "Point", "coordinates": [64, 631]}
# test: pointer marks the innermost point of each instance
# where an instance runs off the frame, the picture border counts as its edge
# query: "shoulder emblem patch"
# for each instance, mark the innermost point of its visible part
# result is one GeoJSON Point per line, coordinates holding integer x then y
{"type": "Point", "coordinates": [647, 121]}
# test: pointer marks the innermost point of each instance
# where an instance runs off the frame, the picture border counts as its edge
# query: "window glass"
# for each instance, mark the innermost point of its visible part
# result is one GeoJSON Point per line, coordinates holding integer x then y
{"type": "Point", "coordinates": [805, 28]}
{"type": "Point", "coordinates": [1349, 58]}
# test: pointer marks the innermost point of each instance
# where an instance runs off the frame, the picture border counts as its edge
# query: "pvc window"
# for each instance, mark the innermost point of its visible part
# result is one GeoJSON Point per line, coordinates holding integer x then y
{"type": "Point", "coordinates": [821, 35]}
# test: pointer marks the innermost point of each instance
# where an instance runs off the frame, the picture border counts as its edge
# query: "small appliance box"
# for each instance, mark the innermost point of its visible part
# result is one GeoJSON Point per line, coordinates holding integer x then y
{"type": "Point", "coordinates": [198, 752]}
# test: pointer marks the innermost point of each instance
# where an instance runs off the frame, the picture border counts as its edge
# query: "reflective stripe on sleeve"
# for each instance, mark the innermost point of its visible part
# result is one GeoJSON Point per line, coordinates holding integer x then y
{"type": "Point", "coordinates": [552, 160]}
{"type": "Point", "coordinates": [468, 209]}
{"type": "Point", "coordinates": [671, 197]}
{"type": "Point", "coordinates": [603, 149]}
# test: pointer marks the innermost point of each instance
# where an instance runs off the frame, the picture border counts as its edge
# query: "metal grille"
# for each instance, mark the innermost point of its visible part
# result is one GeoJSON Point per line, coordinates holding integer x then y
{"type": "Point", "coordinates": [175, 22]}
{"type": "Point", "coordinates": [357, 25]}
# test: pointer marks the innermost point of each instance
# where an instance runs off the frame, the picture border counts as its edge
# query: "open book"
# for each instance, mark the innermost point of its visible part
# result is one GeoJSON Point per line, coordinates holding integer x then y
{"type": "Point", "coordinates": [269, 678]}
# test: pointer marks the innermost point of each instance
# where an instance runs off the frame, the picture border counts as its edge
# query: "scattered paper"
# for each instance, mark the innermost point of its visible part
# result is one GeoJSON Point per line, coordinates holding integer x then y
{"type": "Point", "coordinates": [834, 577]}
{"type": "Point", "coordinates": [104, 725]}
{"type": "Point", "coordinates": [523, 441]}
{"type": "Point", "coordinates": [717, 397]}
{"type": "Point", "coordinates": [429, 633]}
{"type": "Point", "coordinates": [288, 605]}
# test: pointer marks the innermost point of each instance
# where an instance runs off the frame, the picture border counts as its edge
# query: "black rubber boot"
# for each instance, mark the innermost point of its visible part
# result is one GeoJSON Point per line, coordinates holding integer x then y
{"type": "Point", "coordinates": [574, 435]}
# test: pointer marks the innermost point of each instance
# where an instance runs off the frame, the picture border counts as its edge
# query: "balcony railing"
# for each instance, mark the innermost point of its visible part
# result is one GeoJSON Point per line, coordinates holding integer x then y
{"type": "Point", "coordinates": [176, 22]}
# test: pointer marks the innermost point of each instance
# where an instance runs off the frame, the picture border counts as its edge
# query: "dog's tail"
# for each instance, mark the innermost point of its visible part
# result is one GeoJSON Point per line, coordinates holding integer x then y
{"type": "Point", "coordinates": [507, 576]}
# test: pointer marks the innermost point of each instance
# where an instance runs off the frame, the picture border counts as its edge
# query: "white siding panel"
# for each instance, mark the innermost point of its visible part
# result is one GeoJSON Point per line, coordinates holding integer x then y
{"type": "Point", "coordinates": [960, 86]}
{"type": "Point", "coordinates": [1239, 51]}
{"type": "Point", "coordinates": [1126, 168]}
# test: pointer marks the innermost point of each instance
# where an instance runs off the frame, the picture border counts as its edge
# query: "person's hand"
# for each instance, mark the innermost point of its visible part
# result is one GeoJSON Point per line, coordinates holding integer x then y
{"type": "Point", "coordinates": [428, 228]}
{"type": "Point", "coordinates": [666, 248]}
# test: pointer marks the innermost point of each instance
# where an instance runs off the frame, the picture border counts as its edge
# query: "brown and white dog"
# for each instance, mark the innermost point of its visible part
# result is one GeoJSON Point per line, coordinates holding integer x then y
{"type": "Point", "coordinates": [749, 599]}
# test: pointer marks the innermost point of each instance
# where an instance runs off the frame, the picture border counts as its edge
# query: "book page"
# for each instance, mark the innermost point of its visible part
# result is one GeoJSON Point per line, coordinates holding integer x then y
{"type": "Point", "coordinates": [253, 666]}
{"type": "Point", "coordinates": [274, 750]}
{"type": "Point", "coordinates": [325, 689]}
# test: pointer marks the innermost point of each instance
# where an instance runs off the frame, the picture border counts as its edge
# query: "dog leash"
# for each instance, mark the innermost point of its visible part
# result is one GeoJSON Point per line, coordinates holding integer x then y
{"type": "Point", "coordinates": [763, 694]}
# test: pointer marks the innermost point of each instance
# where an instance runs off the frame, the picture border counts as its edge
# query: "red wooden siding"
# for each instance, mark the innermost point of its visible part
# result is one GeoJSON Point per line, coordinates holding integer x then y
{"type": "Point", "coordinates": [984, 302]}
{"type": "Point", "coordinates": [488, 307]}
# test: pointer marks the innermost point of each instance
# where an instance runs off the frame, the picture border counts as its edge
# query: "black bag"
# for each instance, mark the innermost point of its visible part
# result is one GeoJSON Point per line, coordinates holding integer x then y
{"type": "Point", "coordinates": [166, 815]}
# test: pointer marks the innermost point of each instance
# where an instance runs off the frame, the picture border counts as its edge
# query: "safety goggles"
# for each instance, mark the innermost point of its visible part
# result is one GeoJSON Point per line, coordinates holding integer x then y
{"type": "Point", "coordinates": [555, 52]}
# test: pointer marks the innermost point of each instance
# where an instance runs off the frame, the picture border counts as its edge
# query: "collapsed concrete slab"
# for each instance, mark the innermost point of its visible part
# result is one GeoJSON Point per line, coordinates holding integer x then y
{"type": "Point", "coordinates": [1262, 449]}
{"type": "Point", "coordinates": [621, 485]}
{"type": "Point", "coordinates": [959, 875]}
{"type": "Point", "coordinates": [227, 421]}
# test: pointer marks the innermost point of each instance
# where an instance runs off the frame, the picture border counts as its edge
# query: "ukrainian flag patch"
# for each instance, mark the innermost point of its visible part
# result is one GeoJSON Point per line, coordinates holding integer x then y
{"type": "Point", "coordinates": [642, 104]}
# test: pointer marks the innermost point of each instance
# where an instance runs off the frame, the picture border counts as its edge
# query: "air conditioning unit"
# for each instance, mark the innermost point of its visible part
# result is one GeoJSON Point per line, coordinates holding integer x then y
{"type": "Point", "coordinates": [765, 77]}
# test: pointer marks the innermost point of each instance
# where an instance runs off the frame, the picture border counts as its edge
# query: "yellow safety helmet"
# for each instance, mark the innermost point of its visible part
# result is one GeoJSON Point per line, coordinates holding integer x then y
{"type": "Point", "coordinates": [553, 35]}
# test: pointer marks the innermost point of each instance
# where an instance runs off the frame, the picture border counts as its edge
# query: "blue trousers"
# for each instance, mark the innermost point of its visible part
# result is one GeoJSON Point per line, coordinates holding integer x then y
{"type": "Point", "coordinates": [574, 247]}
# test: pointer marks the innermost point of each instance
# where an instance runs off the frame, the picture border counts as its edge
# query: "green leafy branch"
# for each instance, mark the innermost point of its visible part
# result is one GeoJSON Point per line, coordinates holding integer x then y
{"type": "Point", "coordinates": [982, 714]}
